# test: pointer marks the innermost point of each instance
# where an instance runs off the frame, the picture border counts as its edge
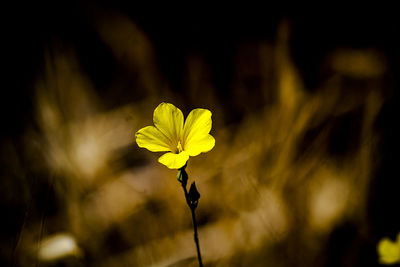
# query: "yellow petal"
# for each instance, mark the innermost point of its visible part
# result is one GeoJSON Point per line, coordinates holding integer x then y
{"type": "Point", "coordinates": [389, 252]}
{"type": "Point", "coordinates": [197, 126]}
{"type": "Point", "coordinates": [151, 138]}
{"type": "Point", "coordinates": [174, 161]}
{"type": "Point", "coordinates": [195, 147]}
{"type": "Point", "coordinates": [169, 120]}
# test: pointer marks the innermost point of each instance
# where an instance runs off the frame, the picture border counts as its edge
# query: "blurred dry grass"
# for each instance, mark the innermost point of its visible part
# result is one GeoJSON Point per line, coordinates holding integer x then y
{"type": "Point", "coordinates": [272, 190]}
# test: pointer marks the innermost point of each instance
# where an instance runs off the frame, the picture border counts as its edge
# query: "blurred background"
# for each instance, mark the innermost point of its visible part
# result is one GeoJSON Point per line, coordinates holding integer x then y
{"type": "Point", "coordinates": [304, 171]}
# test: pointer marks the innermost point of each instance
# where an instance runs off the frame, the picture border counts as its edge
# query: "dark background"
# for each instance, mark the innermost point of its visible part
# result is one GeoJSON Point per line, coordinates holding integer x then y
{"type": "Point", "coordinates": [176, 33]}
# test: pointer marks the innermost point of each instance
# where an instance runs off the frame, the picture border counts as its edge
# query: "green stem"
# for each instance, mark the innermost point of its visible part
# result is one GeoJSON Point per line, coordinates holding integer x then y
{"type": "Point", "coordinates": [192, 209]}
{"type": "Point", "coordinates": [196, 238]}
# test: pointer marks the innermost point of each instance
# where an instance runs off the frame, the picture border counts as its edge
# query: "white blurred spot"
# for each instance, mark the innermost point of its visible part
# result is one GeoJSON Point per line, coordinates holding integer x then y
{"type": "Point", "coordinates": [58, 246]}
{"type": "Point", "coordinates": [328, 202]}
{"type": "Point", "coordinates": [89, 154]}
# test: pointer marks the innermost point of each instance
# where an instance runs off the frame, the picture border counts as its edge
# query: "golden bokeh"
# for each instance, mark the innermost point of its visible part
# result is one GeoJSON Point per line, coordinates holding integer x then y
{"type": "Point", "coordinates": [273, 190]}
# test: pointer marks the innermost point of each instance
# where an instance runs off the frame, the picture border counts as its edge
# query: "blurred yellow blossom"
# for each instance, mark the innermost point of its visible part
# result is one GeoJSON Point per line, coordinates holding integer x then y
{"type": "Point", "coordinates": [389, 251]}
{"type": "Point", "coordinates": [180, 139]}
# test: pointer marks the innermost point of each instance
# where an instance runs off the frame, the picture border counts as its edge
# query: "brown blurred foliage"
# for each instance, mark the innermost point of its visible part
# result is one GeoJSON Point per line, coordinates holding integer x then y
{"type": "Point", "coordinates": [292, 181]}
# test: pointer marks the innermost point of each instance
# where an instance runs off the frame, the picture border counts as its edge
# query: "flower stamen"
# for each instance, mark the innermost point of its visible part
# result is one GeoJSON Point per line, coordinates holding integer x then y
{"type": "Point", "coordinates": [179, 147]}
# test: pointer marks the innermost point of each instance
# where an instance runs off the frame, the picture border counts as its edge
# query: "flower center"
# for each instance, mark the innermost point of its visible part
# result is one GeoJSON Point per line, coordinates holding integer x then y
{"type": "Point", "coordinates": [179, 147]}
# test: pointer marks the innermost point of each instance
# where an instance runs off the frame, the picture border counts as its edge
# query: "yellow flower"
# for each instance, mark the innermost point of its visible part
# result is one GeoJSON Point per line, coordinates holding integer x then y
{"type": "Point", "coordinates": [172, 135]}
{"type": "Point", "coordinates": [389, 251]}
